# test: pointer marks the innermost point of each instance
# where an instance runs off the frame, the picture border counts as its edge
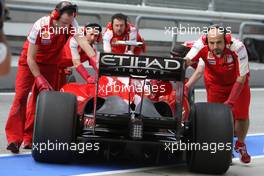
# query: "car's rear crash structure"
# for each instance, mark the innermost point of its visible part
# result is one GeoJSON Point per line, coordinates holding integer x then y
{"type": "Point", "coordinates": [120, 125]}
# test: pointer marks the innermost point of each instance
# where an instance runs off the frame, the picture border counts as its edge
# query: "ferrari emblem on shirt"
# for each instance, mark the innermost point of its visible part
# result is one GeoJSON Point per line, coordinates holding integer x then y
{"type": "Point", "coordinates": [45, 38]}
{"type": "Point", "coordinates": [210, 58]}
{"type": "Point", "coordinates": [45, 35]}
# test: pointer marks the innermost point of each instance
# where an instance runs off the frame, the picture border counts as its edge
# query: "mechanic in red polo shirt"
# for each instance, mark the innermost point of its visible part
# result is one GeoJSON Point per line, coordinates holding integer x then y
{"type": "Point", "coordinates": [120, 29]}
{"type": "Point", "coordinates": [226, 75]}
{"type": "Point", "coordinates": [37, 67]}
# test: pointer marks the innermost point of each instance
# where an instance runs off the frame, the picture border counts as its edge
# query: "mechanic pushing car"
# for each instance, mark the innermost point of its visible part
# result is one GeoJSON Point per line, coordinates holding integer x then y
{"type": "Point", "coordinates": [119, 29]}
{"type": "Point", "coordinates": [37, 67]}
{"type": "Point", "coordinates": [73, 55]}
{"type": "Point", "coordinates": [5, 55]}
{"type": "Point", "coordinates": [226, 75]}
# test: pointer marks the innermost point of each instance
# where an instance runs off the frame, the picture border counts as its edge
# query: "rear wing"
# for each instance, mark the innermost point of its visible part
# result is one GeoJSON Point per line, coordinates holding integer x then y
{"type": "Point", "coordinates": [145, 67]}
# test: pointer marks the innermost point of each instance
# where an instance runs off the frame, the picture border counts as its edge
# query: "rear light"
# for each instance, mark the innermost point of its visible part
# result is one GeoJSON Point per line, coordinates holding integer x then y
{"type": "Point", "coordinates": [136, 128]}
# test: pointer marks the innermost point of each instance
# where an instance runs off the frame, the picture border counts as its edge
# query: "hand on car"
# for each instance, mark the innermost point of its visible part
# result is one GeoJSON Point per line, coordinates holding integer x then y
{"type": "Point", "coordinates": [42, 84]}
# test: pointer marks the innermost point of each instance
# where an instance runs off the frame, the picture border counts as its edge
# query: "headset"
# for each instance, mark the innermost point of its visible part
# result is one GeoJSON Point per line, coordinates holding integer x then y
{"type": "Point", "coordinates": [62, 7]}
{"type": "Point", "coordinates": [227, 37]}
{"type": "Point", "coordinates": [96, 26]}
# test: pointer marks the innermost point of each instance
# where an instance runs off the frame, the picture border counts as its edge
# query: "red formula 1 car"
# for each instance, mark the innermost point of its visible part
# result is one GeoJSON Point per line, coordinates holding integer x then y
{"type": "Point", "coordinates": [136, 106]}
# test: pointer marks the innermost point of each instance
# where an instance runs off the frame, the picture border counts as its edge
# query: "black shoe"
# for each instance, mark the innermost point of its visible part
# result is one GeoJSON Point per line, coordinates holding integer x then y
{"type": "Point", "coordinates": [13, 147]}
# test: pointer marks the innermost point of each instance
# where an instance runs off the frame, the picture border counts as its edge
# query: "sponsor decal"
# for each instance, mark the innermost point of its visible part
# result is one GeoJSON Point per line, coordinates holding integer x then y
{"type": "Point", "coordinates": [45, 35]}
{"type": "Point", "coordinates": [45, 41]}
{"type": "Point", "coordinates": [210, 58]}
{"type": "Point", "coordinates": [242, 58]}
{"type": "Point", "coordinates": [149, 66]}
{"type": "Point", "coordinates": [229, 59]}
{"type": "Point", "coordinates": [240, 48]}
{"type": "Point", "coordinates": [212, 62]}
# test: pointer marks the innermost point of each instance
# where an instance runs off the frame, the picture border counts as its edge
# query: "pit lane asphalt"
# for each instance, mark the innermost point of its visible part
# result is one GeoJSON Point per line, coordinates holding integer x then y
{"type": "Point", "coordinates": [256, 126]}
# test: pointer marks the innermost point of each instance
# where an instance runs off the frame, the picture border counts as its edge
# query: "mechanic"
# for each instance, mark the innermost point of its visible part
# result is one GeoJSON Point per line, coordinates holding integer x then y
{"type": "Point", "coordinates": [226, 76]}
{"type": "Point", "coordinates": [120, 29]}
{"type": "Point", "coordinates": [37, 67]}
{"type": "Point", "coordinates": [73, 55]}
{"type": "Point", "coordinates": [5, 55]}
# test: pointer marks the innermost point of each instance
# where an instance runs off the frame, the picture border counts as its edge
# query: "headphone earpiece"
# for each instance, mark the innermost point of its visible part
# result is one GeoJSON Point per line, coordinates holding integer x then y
{"type": "Point", "coordinates": [100, 38]}
{"type": "Point", "coordinates": [204, 39]}
{"type": "Point", "coordinates": [58, 11]}
{"type": "Point", "coordinates": [74, 14]}
{"type": "Point", "coordinates": [55, 14]}
{"type": "Point", "coordinates": [227, 37]}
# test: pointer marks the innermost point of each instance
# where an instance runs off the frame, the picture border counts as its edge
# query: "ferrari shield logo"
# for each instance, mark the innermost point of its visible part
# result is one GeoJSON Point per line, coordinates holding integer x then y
{"type": "Point", "coordinates": [45, 35]}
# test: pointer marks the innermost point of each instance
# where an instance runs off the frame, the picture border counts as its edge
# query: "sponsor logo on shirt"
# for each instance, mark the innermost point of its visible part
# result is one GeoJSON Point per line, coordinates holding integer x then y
{"type": "Point", "coordinates": [45, 41]}
{"type": "Point", "coordinates": [240, 48]}
{"type": "Point", "coordinates": [242, 58]}
{"type": "Point", "coordinates": [113, 42]}
{"type": "Point", "coordinates": [45, 35]}
{"type": "Point", "coordinates": [211, 60]}
{"type": "Point", "coordinates": [230, 59]}
{"type": "Point", "coordinates": [45, 38]}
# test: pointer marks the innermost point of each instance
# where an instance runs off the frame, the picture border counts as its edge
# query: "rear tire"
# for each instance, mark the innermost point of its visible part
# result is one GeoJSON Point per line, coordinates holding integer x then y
{"type": "Point", "coordinates": [212, 125]}
{"type": "Point", "coordinates": [55, 124]}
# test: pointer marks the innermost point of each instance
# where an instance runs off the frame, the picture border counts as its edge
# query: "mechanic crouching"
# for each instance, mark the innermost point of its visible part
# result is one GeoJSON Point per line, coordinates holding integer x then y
{"type": "Point", "coordinates": [73, 55]}
{"type": "Point", "coordinates": [226, 75]}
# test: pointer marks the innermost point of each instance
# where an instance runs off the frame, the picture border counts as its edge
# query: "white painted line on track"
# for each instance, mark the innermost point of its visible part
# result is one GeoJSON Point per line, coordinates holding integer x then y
{"type": "Point", "coordinates": [128, 170]}
{"type": "Point", "coordinates": [147, 168]}
{"type": "Point", "coordinates": [252, 157]}
{"type": "Point", "coordinates": [7, 93]}
{"type": "Point", "coordinates": [11, 154]}
{"type": "Point", "coordinates": [252, 89]}
{"type": "Point", "coordinates": [255, 134]}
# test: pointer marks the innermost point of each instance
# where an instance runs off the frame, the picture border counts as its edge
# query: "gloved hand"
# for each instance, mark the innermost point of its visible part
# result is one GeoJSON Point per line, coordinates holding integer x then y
{"type": "Point", "coordinates": [235, 92]}
{"type": "Point", "coordinates": [129, 52]}
{"type": "Point", "coordinates": [42, 84]}
{"type": "Point", "coordinates": [91, 80]}
{"type": "Point", "coordinates": [85, 75]}
{"type": "Point", "coordinates": [228, 104]}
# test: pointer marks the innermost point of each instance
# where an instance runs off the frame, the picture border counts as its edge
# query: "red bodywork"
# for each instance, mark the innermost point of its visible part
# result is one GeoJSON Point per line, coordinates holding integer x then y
{"type": "Point", "coordinates": [84, 92]}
